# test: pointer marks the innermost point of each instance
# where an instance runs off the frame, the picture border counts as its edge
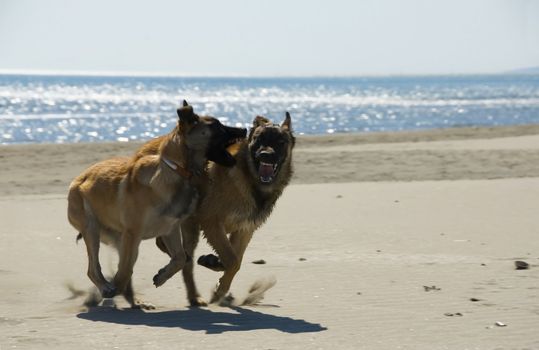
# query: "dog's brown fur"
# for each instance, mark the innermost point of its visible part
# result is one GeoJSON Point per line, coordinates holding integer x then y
{"type": "Point", "coordinates": [237, 202]}
{"type": "Point", "coordinates": [124, 200]}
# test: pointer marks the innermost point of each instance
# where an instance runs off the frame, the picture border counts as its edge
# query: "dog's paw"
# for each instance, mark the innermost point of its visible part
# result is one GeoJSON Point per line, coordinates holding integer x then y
{"type": "Point", "coordinates": [217, 295]}
{"type": "Point", "coordinates": [197, 302]}
{"type": "Point", "coordinates": [211, 262]}
{"type": "Point", "coordinates": [93, 299]}
{"type": "Point", "coordinates": [109, 291]}
{"type": "Point", "coordinates": [140, 305]}
{"type": "Point", "coordinates": [159, 278]}
{"type": "Point", "coordinates": [228, 301]}
{"type": "Point", "coordinates": [215, 298]}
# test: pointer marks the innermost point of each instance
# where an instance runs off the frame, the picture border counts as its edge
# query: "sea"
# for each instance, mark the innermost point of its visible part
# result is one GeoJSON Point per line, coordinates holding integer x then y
{"type": "Point", "coordinates": [70, 109]}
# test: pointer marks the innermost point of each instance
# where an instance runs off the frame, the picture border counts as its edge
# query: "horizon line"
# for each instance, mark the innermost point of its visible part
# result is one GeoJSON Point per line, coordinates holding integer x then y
{"type": "Point", "coordinates": [149, 74]}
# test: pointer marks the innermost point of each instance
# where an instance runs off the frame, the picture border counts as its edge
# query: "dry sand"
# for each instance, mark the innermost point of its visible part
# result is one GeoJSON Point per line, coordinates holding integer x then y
{"type": "Point", "coordinates": [368, 222]}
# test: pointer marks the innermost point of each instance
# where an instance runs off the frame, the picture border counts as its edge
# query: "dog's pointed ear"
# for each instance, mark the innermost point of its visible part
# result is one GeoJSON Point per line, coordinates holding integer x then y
{"type": "Point", "coordinates": [186, 114]}
{"type": "Point", "coordinates": [260, 120]}
{"type": "Point", "coordinates": [287, 123]}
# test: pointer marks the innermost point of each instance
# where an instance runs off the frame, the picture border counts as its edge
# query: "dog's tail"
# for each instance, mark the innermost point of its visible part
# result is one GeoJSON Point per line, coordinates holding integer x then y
{"type": "Point", "coordinates": [75, 206]}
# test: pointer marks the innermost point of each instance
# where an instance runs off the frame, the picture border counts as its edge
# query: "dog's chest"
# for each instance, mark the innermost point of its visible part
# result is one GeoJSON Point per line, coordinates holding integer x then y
{"type": "Point", "coordinates": [247, 216]}
{"type": "Point", "coordinates": [182, 203]}
{"type": "Point", "coordinates": [171, 211]}
{"type": "Point", "coordinates": [238, 221]}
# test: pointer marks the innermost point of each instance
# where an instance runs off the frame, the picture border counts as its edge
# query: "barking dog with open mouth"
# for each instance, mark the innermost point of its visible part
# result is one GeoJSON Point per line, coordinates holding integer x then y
{"type": "Point", "coordinates": [237, 201]}
{"type": "Point", "coordinates": [124, 200]}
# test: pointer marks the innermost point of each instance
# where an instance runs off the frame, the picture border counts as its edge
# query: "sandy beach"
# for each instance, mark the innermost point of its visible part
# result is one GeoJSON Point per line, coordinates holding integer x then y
{"type": "Point", "coordinates": [382, 241]}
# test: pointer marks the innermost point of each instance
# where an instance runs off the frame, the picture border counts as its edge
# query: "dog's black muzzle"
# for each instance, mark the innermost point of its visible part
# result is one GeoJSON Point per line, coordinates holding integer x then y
{"type": "Point", "coordinates": [235, 133]}
{"type": "Point", "coordinates": [224, 137]}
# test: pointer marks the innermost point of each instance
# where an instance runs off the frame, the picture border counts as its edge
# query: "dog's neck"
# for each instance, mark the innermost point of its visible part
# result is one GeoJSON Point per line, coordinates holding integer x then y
{"type": "Point", "coordinates": [178, 157]}
{"type": "Point", "coordinates": [197, 161]}
{"type": "Point", "coordinates": [177, 168]}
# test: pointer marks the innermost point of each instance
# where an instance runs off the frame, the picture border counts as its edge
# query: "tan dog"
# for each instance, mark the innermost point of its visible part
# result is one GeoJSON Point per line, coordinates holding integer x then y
{"type": "Point", "coordinates": [238, 200]}
{"type": "Point", "coordinates": [124, 200]}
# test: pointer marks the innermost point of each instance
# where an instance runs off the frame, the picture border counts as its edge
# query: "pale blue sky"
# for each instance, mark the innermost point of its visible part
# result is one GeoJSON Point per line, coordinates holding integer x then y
{"type": "Point", "coordinates": [277, 37]}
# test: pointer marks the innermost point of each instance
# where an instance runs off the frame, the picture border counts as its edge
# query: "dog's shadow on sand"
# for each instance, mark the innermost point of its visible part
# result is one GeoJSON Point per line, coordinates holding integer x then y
{"type": "Point", "coordinates": [201, 319]}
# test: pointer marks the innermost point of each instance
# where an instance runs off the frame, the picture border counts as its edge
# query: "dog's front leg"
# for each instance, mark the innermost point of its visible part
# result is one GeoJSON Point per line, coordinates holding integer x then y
{"type": "Point", "coordinates": [128, 252]}
{"type": "Point", "coordinates": [190, 235]}
{"type": "Point", "coordinates": [173, 243]}
{"type": "Point", "coordinates": [228, 256]}
{"type": "Point", "coordinates": [129, 293]}
{"type": "Point", "coordinates": [239, 241]}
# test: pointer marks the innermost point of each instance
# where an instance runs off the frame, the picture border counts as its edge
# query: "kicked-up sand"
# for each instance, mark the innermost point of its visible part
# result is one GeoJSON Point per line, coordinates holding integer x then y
{"type": "Point", "coordinates": [383, 241]}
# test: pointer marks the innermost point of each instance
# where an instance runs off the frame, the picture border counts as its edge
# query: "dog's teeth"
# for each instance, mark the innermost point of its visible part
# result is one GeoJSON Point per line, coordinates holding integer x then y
{"type": "Point", "coordinates": [269, 164]}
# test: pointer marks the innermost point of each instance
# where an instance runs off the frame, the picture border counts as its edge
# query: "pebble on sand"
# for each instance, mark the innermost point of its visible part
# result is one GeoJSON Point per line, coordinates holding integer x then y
{"type": "Point", "coordinates": [521, 265]}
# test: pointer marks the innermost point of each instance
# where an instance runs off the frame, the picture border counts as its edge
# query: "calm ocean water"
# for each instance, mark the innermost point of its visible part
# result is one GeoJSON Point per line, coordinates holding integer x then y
{"type": "Point", "coordinates": [60, 109]}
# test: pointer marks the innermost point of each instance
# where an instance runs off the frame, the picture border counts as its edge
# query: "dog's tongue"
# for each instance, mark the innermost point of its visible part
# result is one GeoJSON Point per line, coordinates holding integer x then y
{"type": "Point", "coordinates": [265, 171]}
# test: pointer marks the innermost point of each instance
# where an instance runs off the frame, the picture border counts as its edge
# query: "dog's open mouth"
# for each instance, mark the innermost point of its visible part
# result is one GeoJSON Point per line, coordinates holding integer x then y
{"type": "Point", "coordinates": [267, 172]}
{"type": "Point", "coordinates": [223, 152]}
{"type": "Point", "coordinates": [232, 146]}
{"type": "Point", "coordinates": [231, 142]}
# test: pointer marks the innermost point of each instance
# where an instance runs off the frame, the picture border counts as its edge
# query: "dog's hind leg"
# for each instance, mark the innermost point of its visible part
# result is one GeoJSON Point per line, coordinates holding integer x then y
{"type": "Point", "coordinates": [190, 235]}
{"type": "Point", "coordinates": [81, 216]}
{"type": "Point", "coordinates": [173, 243]}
